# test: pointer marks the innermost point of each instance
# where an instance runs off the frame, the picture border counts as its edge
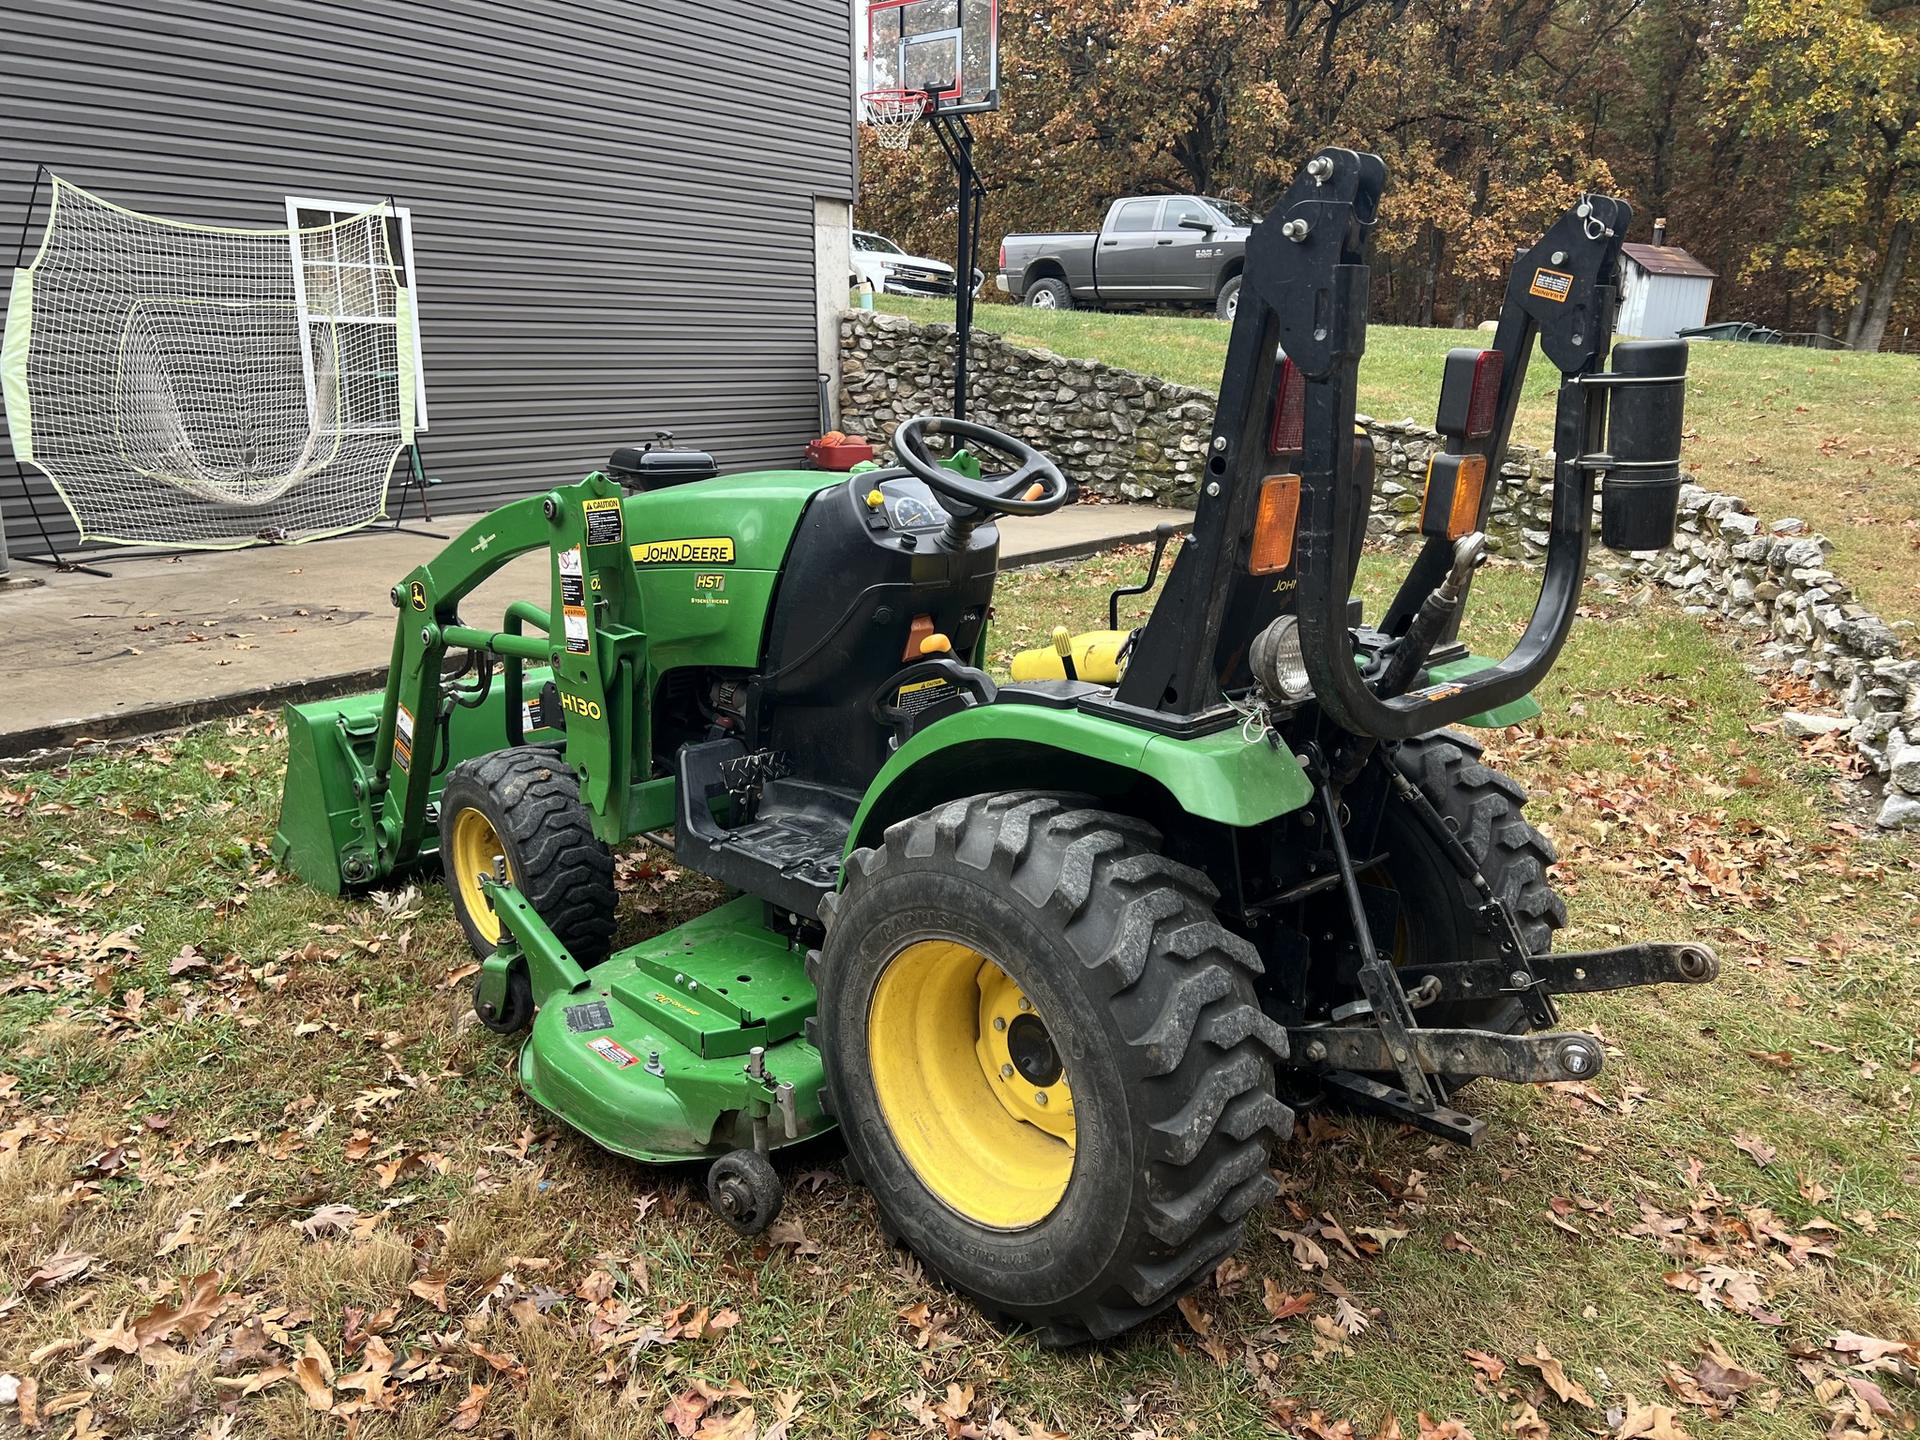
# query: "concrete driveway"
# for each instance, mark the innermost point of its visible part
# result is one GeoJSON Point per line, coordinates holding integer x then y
{"type": "Point", "coordinates": [167, 642]}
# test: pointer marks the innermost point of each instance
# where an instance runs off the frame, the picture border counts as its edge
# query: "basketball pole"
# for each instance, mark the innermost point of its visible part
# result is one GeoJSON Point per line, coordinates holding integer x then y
{"type": "Point", "coordinates": [956, 139]}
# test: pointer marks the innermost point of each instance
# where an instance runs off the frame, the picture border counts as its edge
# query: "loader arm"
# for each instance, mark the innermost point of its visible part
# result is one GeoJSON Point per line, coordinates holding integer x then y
{"type": "Point", "coordinates": [589, 635]}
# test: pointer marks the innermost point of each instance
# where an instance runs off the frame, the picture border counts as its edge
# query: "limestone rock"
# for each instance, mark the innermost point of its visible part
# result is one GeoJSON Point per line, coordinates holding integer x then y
{"type": "Point", "coordinates": [1802, 726]}
{"type": "Point", "coordinates": [1899, 812]}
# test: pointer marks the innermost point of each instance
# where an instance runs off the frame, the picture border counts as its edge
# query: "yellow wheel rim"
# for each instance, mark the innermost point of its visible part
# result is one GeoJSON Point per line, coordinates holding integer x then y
{"type": "Point", "coordinates": [476, 849]}
{"type": "Point", "coordinates": [970, 1084]}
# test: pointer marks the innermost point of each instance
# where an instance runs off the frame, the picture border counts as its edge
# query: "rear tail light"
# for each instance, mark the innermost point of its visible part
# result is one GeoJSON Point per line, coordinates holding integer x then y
{"type": "Point", "coordinates": [1470, 393]}
{"type": "Point", "coordinates": [1273, 525]}
{"type": "Point", "coordinates": [1003, 255]}
{"type": "Point", "coordinates": [1289, 410]}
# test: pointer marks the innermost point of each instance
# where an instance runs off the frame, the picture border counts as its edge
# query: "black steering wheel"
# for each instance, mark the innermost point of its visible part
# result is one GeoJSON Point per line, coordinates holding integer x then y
{"type": "Point", "coordinates": [1006, 493]}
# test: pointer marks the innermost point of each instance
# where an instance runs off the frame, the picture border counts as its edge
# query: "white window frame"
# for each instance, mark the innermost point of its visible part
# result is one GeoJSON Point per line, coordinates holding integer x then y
{"type": "Point", "coordinates": [341, 209]}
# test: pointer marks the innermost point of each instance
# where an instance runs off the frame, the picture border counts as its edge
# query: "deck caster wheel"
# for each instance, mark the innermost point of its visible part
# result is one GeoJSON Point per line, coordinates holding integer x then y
{"type": "Point", "coordinates": [744, 1191]}
{"type": "Point", "coordinates": [512, 1015]}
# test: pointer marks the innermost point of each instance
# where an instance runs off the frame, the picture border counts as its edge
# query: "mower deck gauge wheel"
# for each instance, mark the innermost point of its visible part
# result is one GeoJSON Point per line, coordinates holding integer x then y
{"type": "Point", "coordinates": [745, 1191]}
{"type": "Point", "coordinates": [516, 1013]}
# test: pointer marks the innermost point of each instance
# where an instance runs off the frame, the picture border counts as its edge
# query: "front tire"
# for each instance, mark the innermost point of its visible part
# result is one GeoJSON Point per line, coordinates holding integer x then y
{"type": "Point", "coordinates": [519, 810]}
{"type": "Point", "coordinates": [1082, 1166]}
{"type": "Point", "coordinates": [1484, 809]}
{"type": "Point", "coordinates": [1050, 295]}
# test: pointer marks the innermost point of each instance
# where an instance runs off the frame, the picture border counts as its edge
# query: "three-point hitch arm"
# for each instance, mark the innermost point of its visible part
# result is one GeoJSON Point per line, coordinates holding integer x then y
{"type": "Point", "coordinates": [1304, 296]}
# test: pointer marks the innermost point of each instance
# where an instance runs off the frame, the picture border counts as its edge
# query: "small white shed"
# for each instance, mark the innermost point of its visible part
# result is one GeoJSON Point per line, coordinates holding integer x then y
{"type": "Point", "coordinates": [1664, 290]}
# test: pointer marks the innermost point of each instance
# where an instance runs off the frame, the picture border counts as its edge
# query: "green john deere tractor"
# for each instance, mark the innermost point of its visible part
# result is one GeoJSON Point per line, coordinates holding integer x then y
{"type": "Point", "coordinates": [1058, 957]}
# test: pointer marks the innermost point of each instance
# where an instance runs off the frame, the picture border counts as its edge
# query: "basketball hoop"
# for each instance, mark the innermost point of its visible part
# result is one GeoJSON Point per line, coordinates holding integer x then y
{"type": "Point", "coordinates": [892, 114]}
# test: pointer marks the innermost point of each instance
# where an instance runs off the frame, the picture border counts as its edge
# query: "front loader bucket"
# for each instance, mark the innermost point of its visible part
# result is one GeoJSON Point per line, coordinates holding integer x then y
{"type": "Point", "coordinates": [329, 809]}
{"type": "Point", "coordinates": [325, 834]}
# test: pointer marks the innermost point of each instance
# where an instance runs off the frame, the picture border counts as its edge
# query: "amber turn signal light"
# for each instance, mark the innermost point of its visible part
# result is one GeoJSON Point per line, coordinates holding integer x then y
{"type": "Point", "coordinates": [1273, 523]}
{"type": "Point", "coordinates": [1451, 506]}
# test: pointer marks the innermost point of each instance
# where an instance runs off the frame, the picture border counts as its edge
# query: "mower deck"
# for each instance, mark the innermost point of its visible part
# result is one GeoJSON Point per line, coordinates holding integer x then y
{"type": "Point", "coordinates": [674, 1049]}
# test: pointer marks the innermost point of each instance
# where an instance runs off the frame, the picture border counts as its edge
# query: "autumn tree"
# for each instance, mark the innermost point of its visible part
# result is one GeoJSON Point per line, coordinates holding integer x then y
{"type": "Point", "coordinates": [1832, 88]}
{"type": "Point", "coordinates": [1781, 136]}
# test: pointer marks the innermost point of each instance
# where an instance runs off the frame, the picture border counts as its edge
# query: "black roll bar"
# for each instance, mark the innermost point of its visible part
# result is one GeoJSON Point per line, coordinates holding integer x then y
{"type": "Point", "coordinates": [1562, 291]}
{"type": "Point", "coordinates": [1305, 294]}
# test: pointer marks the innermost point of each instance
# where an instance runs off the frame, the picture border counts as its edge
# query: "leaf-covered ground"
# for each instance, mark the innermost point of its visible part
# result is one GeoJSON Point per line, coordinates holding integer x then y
{"type": "Point", "coordinates": [262, 1174]}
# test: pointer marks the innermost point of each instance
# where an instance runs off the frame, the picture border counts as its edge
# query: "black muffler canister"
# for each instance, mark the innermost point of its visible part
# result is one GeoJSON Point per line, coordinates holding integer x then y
{"type": "Point", "coordinates": [1640, 498]}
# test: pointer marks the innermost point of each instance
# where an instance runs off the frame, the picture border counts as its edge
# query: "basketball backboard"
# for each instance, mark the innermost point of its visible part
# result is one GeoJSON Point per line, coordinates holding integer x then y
{"type": "Point", "coordinates": [946, 48]}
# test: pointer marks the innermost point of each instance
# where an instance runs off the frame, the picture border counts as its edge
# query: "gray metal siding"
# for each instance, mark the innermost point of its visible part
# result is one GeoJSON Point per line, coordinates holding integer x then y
{"type": "Point", "coordinates": [1658, 307]}
{"type": "Point", "coordinates": [613, 235]}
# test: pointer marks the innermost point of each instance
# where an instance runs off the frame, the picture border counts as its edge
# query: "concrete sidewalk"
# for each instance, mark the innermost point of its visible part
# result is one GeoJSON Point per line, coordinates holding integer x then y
{"type": "Point", "coordinates": [174, 641]}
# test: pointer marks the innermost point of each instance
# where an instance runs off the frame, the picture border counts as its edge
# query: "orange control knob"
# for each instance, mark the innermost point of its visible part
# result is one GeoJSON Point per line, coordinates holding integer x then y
{"type": "Point", "coordinates": [936, 644]}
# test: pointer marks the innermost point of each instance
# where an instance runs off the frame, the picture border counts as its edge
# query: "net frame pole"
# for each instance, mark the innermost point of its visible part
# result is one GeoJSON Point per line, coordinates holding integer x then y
{"type": "Point", "coordinates": [956, 140]}
{"type": "Point", "coordinates": [416, 470]}
{"type": "Point", "coordinates": [59, 561]}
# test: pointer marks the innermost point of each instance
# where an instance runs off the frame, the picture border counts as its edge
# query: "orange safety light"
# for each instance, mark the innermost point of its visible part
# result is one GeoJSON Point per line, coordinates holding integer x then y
{"type": "Point", "coordinates": [1273, 522]}
{"type": "Point", "coordinates": [1451, 506]}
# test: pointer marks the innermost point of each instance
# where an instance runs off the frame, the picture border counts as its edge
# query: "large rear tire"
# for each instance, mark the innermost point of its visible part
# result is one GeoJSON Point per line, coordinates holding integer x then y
{"type": "Point", "coordinates": [1483, 808]}
{"type": "Point", "coordinates": [1046, 1058]}
{"type": "Point", "coordinates": [520, 809]}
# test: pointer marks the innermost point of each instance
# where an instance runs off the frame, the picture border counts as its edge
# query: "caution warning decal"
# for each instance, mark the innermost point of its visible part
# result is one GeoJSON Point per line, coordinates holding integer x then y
{"type": "Point", "coordinates": [604, 525]}
{"type": "Point", "coordinates": [1553, 285]}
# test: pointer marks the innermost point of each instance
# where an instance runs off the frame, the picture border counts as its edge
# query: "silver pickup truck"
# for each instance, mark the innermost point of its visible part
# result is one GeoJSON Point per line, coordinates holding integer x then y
{"type": "Point", "coordinates": [1150, 250]}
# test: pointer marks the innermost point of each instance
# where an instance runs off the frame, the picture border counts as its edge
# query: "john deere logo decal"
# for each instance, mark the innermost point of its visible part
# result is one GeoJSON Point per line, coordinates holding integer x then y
{"type": "Point", "coordinates": [417, 593]}
{"type": "Point", "coordinates": [713, 550]}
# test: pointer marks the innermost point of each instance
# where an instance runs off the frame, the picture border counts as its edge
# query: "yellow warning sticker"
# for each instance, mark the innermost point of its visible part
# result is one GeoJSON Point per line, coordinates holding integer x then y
{"type": "Point", "coordinates": [574, 618]}
{"type": "Point", "coordinates": [710, 550]}
{"type": "Point", "coordinates": [1554, 285]}
{"type": "Point", "coordinates": [403, 737]}
{"type": "Point", "coordinates": [604, 526]}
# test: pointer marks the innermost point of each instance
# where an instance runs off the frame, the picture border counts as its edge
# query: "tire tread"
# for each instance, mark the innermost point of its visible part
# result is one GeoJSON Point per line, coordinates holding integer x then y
{"type": "Point", "coordinates": [1200, 1052]}
{"type": "Point", "coordinates": [562, 867]}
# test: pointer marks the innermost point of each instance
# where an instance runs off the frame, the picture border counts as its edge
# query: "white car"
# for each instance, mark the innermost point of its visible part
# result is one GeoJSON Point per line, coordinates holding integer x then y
{"type": "Point", "coordinates": [878, 262]}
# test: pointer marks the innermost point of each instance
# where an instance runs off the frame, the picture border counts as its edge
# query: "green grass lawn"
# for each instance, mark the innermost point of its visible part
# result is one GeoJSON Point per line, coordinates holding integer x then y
{"type": "Point", "coordinates": [1832, 438]}
{"type": "Point", "coordinates": [207, 1070]}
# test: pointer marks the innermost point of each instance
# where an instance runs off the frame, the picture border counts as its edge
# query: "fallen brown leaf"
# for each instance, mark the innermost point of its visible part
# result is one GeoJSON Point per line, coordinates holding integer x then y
{"type": "Point", "coordinates": [467, 1413]}
{"type": "Point", "coordinates": [1567, 1390]}
{"type": "Point", "coordinates": [60, 1269]}
{"type": "Point", "coordinates": [1654, 1422]}
{"type": "Point", "coordinates": [313, 1373]}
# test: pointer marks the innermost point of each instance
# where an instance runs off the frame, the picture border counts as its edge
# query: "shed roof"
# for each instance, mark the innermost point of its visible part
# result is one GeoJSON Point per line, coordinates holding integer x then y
{"type": "Point", "coordinates": [1666, 260]}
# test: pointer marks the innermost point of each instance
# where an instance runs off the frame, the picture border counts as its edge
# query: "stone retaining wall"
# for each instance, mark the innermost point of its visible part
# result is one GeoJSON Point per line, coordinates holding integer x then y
{"type": "Point", "coordinates": [1122, 434]}
{"type": "Point", "coordinates": [1772, 581]}
{"type": "Point", "coordinates": [1137, 437]}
